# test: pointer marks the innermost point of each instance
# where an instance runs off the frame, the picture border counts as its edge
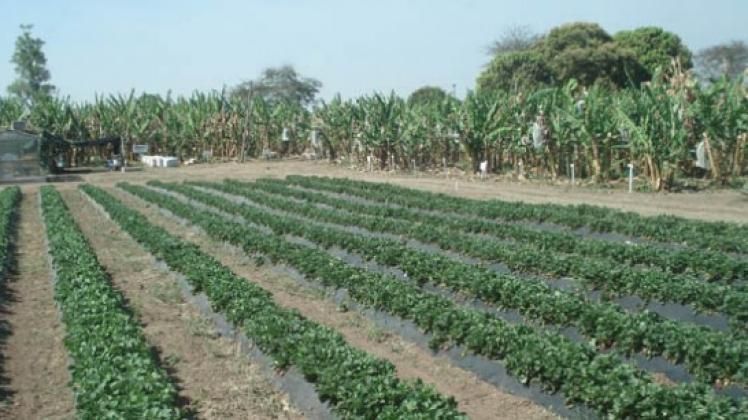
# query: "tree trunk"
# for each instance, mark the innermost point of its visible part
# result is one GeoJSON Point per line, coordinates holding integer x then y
{"type": "Point", "coordinates": [596, 167]}
{"type": "Point", "coordinates": [713, 159]}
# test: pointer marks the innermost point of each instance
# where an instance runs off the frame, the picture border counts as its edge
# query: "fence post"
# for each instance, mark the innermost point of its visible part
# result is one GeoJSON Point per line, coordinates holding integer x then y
{"type": "Point", "coordinates": [572, 174]}
{"type": "Point", "coordinates": [631, 177]}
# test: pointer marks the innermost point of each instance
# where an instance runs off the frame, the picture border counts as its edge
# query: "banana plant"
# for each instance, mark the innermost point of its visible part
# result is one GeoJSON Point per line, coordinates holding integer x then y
{"type": "Point", "coordinates": [479, 125]}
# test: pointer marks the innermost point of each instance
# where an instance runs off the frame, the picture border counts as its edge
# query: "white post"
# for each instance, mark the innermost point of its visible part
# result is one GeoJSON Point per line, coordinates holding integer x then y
{"type": "Point", "coordinates": [631, 177]}
{"type": "Point", "coordinates": [483, 169]}
{"type": "Point", "coordinates": [572, 174]}
{"type": "Point", "coordinates": [414, 165]}
{"type": "Point", "coordinates": [368, 163]}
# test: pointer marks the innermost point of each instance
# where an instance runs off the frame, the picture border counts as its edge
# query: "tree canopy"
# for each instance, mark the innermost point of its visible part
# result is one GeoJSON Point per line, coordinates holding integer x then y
{"type": "Point", "coordinates": [582, 51]}
{"type": "Point", "coordinates": [655, 47]}
{"type": "Point", "coordinates": [281, 84]}
{"type": "Point", "coordinates": [31, 85]}
{"type": "Point", "coordinates": [426, 95]}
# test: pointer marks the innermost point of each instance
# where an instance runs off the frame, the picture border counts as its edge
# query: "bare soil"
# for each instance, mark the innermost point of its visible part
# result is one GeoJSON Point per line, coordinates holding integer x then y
{"type": "Point", "coordinates": [215, 382]}
{"type": "Point", "coordinates": [475, 397]}
{"type": "Point", "coordinates": [35, 360]}
{"type": "Point", "coordinates": [727, 205]}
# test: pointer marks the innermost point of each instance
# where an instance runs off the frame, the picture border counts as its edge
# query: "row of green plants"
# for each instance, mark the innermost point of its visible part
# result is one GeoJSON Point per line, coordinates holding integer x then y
{"type": "Point", "coordinates": [601, 381]}
{"type": "Point", "coordinates": [718, 236]}
{"type": "Point", "coordinates": [356, 384]}
{"type": "Point", "coordinates": [714, 266]}
{"type": "Point", "coordinates": [712, 356]}
{"type": "Point", "coordinates": [599, 130]}
{"type": "Point", "coordinates": [594, 273]}
{"type": "Point", "coordinates": [114, 371]}
{"type": "Point", "coordinates": [9, 199]}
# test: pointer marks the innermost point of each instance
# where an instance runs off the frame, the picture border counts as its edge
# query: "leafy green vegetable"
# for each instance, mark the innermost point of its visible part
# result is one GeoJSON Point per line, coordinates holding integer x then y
{"type": "Point", "coordinates": [601, 381]}
{"type": "Point", "coordinates": [113, 369]}
{"type": "Point", "coordinates": [355, 383]}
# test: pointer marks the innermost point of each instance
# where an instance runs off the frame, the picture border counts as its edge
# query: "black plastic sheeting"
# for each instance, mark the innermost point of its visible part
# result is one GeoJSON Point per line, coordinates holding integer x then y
{"type": "Point", "coordinates": [302, 394]}
{"type": "Point", "coordinates": [479, 364]}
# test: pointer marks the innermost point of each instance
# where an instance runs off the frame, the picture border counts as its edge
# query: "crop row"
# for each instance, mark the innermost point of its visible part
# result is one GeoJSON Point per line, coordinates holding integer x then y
{"type": "Point", "coordinates": [721, 236]}
{"type": "Point", "coordinates": [9, 199]}
{"type": "Point", "coordinates": [355, 383]}
{"type": "Point", "coordinates": [601, 381]}
{"type": "Point", "coordinates": [114, 374]}
{"type": "Point", "coordinates": [709, 354]}
{"type": "Point", "coordinates": [714, 266]}
{"type": "Point", "coordinates": [594, 273]}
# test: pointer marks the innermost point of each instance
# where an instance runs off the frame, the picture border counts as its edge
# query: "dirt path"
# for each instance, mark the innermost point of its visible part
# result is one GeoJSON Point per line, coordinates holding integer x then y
{"type": "Point", "coordinates": [213, 379]}
{"type": "Point", "coordinates": [35, 357]}
{"type": "Point", "coordinates": [725, 205]}
{"type": "Point", "coordinates": [478, 399]}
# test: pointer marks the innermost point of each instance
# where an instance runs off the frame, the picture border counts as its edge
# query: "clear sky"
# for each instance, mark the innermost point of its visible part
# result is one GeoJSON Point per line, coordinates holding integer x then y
{"type": "Point", "coordinates": [352, 47]}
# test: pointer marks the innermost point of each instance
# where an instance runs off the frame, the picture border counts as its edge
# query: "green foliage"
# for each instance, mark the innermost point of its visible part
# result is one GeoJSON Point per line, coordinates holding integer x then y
{"type": "Point", "coordinates": [31, 67]}
{"type": "Point", "coordinates": [114, 373]}
{"type": "Point", "coordinates": [9, 199]}
{"type": "Point", "coordinates": [700, 235]}
{"type": "Point", "coordinates": [574, 35]}
{"type": "Point", "coordinates": [427, 95]}
{"type": "Point", "coordinates": [605, 63]}
{"type": "Point", "coordinates": [718, 358]}
{"type": "Point", "coordinates": [586, 53]}
{"type": "Point", "coordinates": [515, 71]}
{"type": "Point", "coordinates": [655, 48]}
{"type": "Point", "coordinates": [355, 383]}
{"type": "Point", "coordinates": [601, 381]}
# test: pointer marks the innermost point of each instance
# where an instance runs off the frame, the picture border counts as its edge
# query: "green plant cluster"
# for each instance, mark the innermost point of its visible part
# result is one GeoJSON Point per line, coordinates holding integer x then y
{"type": "Point", "coordinates": [595, 273]}
{"type": "Point", "coordinates": [714, 266]}
{"type": "Point", "coordinates": [114, 372]}
{"type": "Point", "coordinates": [9, 199]}
{"type": "Point", "coordinates": [356, 384]}
{"type": "Point", "coordinates": [601, 381]}
{"type": "Point", "coordinates": [719, 236]}
{"type": "Point", "coordinates": [709, 354]}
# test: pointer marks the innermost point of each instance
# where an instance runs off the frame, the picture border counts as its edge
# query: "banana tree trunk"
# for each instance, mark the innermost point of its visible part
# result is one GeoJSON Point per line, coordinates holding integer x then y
{"type": "Point", "coordinates": [713, 159]}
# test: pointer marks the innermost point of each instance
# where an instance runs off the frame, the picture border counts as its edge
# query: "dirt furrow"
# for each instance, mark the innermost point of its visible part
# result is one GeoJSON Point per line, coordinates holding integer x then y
{"type": "Point", "coordinates": [214, 380]}
{"type": "Point", "coordinates": [35, 359]}
{"type": "Point", "coordinates": [477, 398]}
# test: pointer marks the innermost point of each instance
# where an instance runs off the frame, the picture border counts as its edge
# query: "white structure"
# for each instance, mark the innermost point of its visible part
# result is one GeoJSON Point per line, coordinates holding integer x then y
{"type": "Point", "coordinates": [156, 161]}
{"type": "Point", "coordinates": [702, 160]}
{"type": "Point", "coordinates": [483, 169]}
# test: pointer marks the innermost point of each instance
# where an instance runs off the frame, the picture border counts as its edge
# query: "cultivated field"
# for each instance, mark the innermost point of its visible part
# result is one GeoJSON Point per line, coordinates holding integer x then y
{"type": "Point", "coordinates": [304, 290]}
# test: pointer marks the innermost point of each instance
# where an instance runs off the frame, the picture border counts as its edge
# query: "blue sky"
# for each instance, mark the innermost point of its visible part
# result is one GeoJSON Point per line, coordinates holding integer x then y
{"type": "Point", "coordinates": [353, 47]}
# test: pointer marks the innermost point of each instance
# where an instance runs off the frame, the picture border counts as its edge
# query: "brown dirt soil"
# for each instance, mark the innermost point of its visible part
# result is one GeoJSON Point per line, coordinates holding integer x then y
{"type": "Point", "coordinates": [214, 381]}
{"type": "Point", "coordinates": [724, 205]}
{"type": "Point", "coordinates": [35, 357]}
{"type": "Point", "coordinates": [475, 397]}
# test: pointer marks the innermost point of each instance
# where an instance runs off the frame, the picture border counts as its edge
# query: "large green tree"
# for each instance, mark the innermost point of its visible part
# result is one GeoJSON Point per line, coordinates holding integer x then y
{"type": "Point", "coordinates": [582, 51]}
{"type": "Point", "coordinates": [517, 70]}
{"type": "Point", "coordinates": [32, 84]}
{"type": "Point", "coordinates": [585, 52]}
{"type": "Point", "coordinates": [655, 48]}
{"type": "Point", "coordinates": [281, 84]}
